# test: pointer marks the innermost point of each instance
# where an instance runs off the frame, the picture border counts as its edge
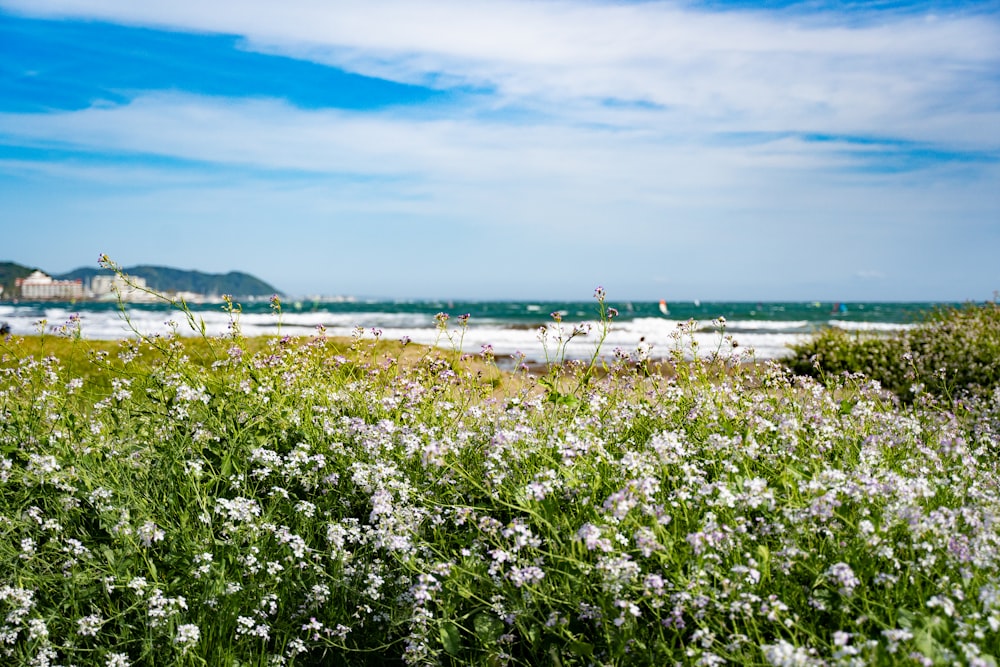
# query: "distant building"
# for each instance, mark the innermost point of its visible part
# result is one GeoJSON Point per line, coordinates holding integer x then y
{"type": "Point", "coordinates": [107, 288]}
{"type": "Point", "coordinates": [41, 287]}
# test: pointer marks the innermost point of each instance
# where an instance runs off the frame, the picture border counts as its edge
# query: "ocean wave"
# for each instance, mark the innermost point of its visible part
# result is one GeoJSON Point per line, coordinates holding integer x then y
{"type": "Point", "coordinates": [870, 326]}
{"type": "Point", "coordinates": [660, 324]}
{"type": "Point", "coordinates": [513, 335]}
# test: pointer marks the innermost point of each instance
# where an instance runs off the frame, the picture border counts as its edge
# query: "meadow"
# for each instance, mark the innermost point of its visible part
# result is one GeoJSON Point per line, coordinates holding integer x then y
{"type": "Point", "coordinates": [308, 501]}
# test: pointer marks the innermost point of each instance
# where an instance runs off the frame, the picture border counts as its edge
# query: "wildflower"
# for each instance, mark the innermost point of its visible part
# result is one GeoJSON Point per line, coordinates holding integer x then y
{"type": "Point", "coordinates": [88, 626]}
{"type": "Point", "coordinates": [896, 636]}
{"type": "Point", "coordinates": [945, 603]}
{"type": "Point", "coordinates": [237, 509]}
{"type": "Point", "coordinates": [194, 468]}
{"type": "Point", "coordinates": [845, 577]}
{"type": "Point", "coordinates": [620, 503]}
{"type": "Point", "coordinates": [628, 609]}
{"type": "Point", "coordinates": [149, 532]}
{"type": "Point", "coordinates": [645, 540]}
{"type": "Point", "coordinates": [42, 466]}
{"type": "Point", "coordinates": [784, 654]}
{"type": "Point", "coordinates": [248, 626]}
{"type": "Point", "coordinates": [37, 629]}
{"type": "Point", "coordinates": [295, 647]}
{"type": "Point", "coordinates": [187, 636]}
{"type": "Point", "coordinates": [204, 562]}
{"type": "Point", "coordinates": [161, 608]}
{"type": "Point", "coordinates": [27, 548]}
{"type": "Point", "coordinates": [138, 584]}
{"type": "Point", "coordinates": [100, 499]}
{"type": "Point", "coordinates": [44, 658]}
{"type": "Point", "coordinates": [521, 576]}
{"type": "Point", "coordinates": [313, 626]}
{"type": "Point", "coordinates": [305, 508]}
{"type": "Point", "coordinates": [617, 572]}
{"type": "Point", "coordinates": [117, 660]}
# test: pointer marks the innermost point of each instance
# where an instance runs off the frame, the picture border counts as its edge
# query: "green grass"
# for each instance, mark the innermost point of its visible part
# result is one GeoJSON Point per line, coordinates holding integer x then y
{"type": "Point", "coordinates": [312, 502]}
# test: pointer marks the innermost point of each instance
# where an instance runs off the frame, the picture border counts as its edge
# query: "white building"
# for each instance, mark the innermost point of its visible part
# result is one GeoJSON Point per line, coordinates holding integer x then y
{"type": "Point", "coordinates": [41, 287]}
{"type": "Point", "coordinates": [107, 288]}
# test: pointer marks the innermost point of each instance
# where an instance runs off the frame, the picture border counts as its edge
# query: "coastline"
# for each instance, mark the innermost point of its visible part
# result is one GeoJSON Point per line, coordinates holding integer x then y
{"type": "Point", "coordinates": [510, 329]}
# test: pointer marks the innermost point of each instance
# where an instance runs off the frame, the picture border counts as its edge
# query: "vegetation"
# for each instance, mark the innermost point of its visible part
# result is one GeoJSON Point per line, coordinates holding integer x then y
{"type": "Point", "coordinates": [955, 351]}
{"type": "Point", "coordinates": [298, 502]}
{"type": "Point", "coordinates": [164, 279]}
{"type": "Point", "coordinates": [9, 273]}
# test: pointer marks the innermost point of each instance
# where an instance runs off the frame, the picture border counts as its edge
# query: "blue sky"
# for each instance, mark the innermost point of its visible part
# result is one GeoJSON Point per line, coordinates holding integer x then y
{"type": "Point", "coordinates": [829, 150]}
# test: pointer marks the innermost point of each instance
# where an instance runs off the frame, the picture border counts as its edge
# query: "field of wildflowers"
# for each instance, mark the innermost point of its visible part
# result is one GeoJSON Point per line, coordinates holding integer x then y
{"type": "Point", "coordinates": [302, 504]}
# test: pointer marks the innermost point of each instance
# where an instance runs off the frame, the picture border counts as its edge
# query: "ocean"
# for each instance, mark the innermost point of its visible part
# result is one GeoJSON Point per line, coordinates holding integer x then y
{"type": "Point", "coordinates": [510, 327]}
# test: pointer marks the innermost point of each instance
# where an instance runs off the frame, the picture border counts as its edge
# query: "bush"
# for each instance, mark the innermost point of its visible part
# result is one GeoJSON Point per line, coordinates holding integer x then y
{"type": "Point", "coordinates": [955, 351]}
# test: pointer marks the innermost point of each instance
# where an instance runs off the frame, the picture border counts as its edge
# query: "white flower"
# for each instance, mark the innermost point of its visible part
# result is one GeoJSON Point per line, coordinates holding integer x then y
{"type": "Point", "coordinates": [149, 532]}
{"type": "Point", "coordinates": [117, 660]}
{"type": "Point", "coordinates": [237, 509]}
{"type": "Point", "coordinates": [88, 626]}
{"type": "Point", "coordinates": [37, 629]}
{"type": "Point", "coordinates": [521, 576]}
{"type": "Point", "coordinates": [590, 535]}
{"type": "Point", "coordinates": [187, 636]}
{"type": "Point", "coordinates": [784, 654]}
{"type": "Point", "coordinates": [138, 584]}
{"type": "Point", "coordinates": [843, 575]}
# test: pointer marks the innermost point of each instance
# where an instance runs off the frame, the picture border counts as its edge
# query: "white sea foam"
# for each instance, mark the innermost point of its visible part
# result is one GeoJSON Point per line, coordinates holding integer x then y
{"type": "Point", "coordinates": [769, 325]}
{"type": "Point", "coordinates": [869, 326]}
{"type": "Point", "coordinates": [769, 338]}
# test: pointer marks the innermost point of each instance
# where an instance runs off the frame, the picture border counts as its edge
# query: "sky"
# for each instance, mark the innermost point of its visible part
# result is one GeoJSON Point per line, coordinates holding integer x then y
{"type": "Point", "coordinates": [499, 149]}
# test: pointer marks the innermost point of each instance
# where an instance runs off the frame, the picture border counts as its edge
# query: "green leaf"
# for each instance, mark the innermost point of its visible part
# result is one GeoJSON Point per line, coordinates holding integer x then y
{"type": "Point", "coordinates": [451, 638]}
{"type": "Point", "coordinates": [488, 628]}
{"type": "Point", "coordinates": [109, 555]}
{"type": "Point", "coordinates": [764, 562]}
{"type": "Point", "coordinates": [582, 649]}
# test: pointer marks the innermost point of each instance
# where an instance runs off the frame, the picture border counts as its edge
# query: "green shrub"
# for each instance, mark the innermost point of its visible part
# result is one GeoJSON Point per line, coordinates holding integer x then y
{"type": "Point", "coordinates": [954, 351]}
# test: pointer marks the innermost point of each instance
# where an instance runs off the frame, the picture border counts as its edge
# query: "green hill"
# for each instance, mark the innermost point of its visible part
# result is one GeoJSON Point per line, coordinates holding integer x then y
{"type": "Point", "coordinates": [10, 272]}
{"type": "Point", "coordinates": [165, 279]}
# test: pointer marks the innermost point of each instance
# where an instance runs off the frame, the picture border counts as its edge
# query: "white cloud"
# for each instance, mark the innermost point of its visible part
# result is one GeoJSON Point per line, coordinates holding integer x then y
{"type": "Point", "coordinates": [915, 77]}
{"type": "Point", "coordinates": [869, 274]}
{"type": "Point", "coordinates": [543, 176]}
{"type": "Point", "coordinates": [577, 160]}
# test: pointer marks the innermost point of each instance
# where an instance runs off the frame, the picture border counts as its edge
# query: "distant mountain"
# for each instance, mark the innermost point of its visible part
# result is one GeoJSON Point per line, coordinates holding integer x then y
{"type": "Point", "coordinates": [9, 273]}
{"type": "Point", "coordinates": [164, 279]}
